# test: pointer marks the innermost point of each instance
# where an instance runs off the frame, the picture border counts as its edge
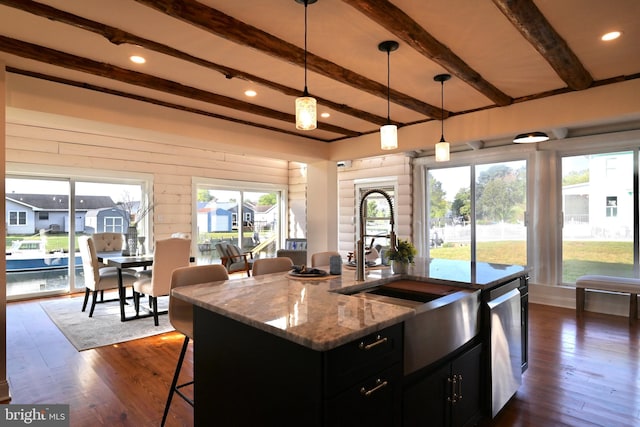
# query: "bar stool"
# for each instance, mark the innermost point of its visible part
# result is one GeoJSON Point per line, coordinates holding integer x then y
{"type": "Point", "coordinates": [181, 316]}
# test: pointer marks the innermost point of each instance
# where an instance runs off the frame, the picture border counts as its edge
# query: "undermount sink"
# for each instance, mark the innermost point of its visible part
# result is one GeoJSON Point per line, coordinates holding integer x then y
{"type": "Point", "coordinates": [447, 317]}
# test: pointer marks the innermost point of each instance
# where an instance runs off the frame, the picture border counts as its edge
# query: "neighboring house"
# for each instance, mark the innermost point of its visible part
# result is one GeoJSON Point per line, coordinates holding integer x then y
{"type": "Point", "coordinates": [211, 218]}
{"type": "Point", "coordinates": [30, 213]}
{"type": "Point", "coordinates": [596, 210]}
{"type": "Point", "coordinates": [265, 217]}
{"type": "Point", "coordinates": [106, 220]}
{"type": "Point", "coordinates": [223, 216]}
{"type": "Point", "coordinates": [248, 212]}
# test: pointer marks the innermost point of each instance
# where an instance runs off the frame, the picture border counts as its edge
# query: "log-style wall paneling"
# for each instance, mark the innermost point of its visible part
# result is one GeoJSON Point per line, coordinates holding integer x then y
{"type": "Point", "coordinates": [396, 166]}
{"type": "Point", "coordinates": [172, 167]}
{"type": "Point", "coordinates": [297, 218]}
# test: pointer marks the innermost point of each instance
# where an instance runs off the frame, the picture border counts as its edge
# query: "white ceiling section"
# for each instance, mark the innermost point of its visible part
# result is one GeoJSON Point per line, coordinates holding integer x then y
{"type": "Point", "coordinates": [507, 75]}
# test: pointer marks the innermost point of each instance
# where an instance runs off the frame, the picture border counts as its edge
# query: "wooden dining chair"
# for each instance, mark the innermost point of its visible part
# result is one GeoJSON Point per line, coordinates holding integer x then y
{"type": "Point", "coordinates": [271, 265]}
{"type": "Point", "coordinates": [181, 317]}
{"type": "Point", "coordinates": [168, 255]}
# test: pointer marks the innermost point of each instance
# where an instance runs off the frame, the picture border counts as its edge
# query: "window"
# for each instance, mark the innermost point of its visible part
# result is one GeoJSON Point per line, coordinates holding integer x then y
{"type": "Point", "coordinates": [17, 218]}
{"type": "Point", "coordinates": [612, 206]}
{"type": "Point", "coordinates": [449, 210]}
{"type": "Point", "coordinates": [43, 216]}
{"type": "Point", "coordinates": [220, 204]}
{"type": "Point", "coordinates": [114, 224]}
{"type": "Point", "coordinates": [377, 213]}
{"type": "Point", "coordinates": [479, 220]}
{"type": "Point", "coordinates": [597, 240]}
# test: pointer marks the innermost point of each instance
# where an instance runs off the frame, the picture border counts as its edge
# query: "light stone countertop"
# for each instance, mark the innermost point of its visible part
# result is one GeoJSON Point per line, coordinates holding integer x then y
{"type": "Point", "coordinates": [306, 311]}
{"type": "Point", "coordinates": [315, 312]}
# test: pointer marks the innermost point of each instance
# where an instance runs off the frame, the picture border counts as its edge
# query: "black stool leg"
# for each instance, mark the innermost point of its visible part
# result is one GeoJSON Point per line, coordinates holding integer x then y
{"type": "Point", "coordinates": [172, 390]}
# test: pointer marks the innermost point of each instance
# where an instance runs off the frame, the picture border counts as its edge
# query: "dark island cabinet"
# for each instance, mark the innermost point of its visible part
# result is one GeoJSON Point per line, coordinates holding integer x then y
{"type": "Point", "coordinates": [246, 376]}
{"type": "Point", "coordinates": [447, 395]}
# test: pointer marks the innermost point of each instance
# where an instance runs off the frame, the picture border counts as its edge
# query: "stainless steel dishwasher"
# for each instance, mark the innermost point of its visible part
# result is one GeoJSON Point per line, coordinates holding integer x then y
{"type": "Point", "coordinates": [505, 344]}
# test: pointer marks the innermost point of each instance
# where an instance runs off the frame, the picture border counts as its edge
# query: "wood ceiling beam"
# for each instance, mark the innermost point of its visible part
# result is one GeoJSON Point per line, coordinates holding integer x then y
{"type": "Point", "coordinates": [154, 101]}
{"type": "Point", "coordinates": [406, 29]}
{"type": "Point", "coordinates": [101, 69]}
{"type": "Point", "coordinates": [527, 18]}
{"type": "Point", "coordinates": [220, 24]}
{"type": "Point", "coordinates": [118, 36]}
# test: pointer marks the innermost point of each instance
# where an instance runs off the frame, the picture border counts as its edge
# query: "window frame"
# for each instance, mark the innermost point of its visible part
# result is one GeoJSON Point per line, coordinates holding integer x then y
{"type": "Point", "coordinates": [198, 182]}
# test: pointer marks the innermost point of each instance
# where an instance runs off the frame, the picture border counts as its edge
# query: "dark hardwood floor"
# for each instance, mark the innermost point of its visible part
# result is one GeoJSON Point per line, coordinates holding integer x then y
{"type": "Point", "coordinates": [581, 373]}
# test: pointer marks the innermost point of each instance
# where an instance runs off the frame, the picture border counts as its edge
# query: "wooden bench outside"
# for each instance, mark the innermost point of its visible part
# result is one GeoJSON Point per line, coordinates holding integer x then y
{"type": "Point", "coordinates": [611, 284]}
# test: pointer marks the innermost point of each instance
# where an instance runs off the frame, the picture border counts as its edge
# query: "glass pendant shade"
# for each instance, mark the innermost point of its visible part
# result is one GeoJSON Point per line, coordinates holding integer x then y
{"type": "Point", "coordinates": [306, 113]}
{"type": "Point", "coordinates": [389, 137]}
{"type": "Point", "coordinates": [442, 151]}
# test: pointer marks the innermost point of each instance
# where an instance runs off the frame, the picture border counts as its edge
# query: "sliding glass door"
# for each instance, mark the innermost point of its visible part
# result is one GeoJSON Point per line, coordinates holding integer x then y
{"type": "Point", "coordinates": [39, 226]}
{"type": "Point", "coordinates": [250, 218]}
{"type": "Point", "coordinates": [478, 212]}
{"type": "Point", "coordinates": [44, 218]}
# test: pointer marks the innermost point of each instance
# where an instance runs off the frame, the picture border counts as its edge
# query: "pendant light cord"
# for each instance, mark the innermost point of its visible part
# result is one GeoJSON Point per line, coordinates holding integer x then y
{"type": "Point", "coordinates": [306, 92]}
{"type": "Point", "coordinates": [442, 112]}
{"type": "Point", "coordinates": [389, 86]}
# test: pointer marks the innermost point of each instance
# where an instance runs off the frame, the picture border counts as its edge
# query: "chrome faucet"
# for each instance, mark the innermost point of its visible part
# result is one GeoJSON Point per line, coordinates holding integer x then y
{"type": "Point", "coordinates": [360, 261]}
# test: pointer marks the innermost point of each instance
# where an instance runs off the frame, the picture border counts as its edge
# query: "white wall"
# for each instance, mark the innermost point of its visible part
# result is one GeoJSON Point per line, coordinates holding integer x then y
{"type": "Point", "coordinates": [171, 167]}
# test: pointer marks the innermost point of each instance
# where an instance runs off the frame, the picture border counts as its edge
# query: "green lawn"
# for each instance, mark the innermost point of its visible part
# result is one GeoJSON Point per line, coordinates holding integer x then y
{"type": "Point", "coordinates": [580, 257]}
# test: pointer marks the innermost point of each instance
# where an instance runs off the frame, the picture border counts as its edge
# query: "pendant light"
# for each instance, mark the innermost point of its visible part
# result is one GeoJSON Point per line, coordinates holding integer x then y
{"type": "Point", "coordinates": [527, 138]}
{"type": "Point", "coordinates": [388, 132]}
{"type": "Point", "coordinates": [306, 110]}
{"type": "Point", "coordinates": [442, 147]}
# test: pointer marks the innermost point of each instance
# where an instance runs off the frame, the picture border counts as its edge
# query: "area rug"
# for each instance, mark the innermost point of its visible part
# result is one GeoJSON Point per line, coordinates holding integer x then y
{"type": "Point", "coordinates": [105, 327]}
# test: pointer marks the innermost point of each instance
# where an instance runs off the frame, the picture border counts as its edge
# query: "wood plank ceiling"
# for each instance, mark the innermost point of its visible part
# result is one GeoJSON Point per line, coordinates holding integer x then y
{"type": "Point", "coordinates": [202, 56]}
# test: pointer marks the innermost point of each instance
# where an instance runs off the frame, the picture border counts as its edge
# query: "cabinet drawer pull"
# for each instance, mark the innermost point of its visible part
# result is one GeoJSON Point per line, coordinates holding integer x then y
{"type": "Point", "coordinates": [379, 385]}
{"type": "Point", "coordinates": [379, 340]}
{"type": "Point", "coordinates": [453, 397]}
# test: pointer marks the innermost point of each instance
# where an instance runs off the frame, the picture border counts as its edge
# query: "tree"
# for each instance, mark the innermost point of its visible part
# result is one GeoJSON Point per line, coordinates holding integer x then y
{"type": "Point", "coordinates": [461, 206]}
{"type": "Point", "coordinates": [499, 198]}
{"type": "Point", "coordinates": [372, 209]}
{"type": "Point", "coordinates": [494, 172]}
{"type": "Point", "coordinates": [269, 199]}
{"type": "Point", "coordinates": [438, 205]}
{"type": "Point", "coordinates": [204, 195]}
{"type": "Point", "coordinates": [576, 177]}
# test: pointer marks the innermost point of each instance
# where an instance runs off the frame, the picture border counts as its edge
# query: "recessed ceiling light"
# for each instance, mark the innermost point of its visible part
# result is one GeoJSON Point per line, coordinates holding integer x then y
{"type": "Point", "coordinates": [137, 59]}
{"type": "Point", "coordinates": [611, 36]}
{"type": "Point", "coordinates": [325, 115]}
{"type": "Point", "coordinates": [250, 92]}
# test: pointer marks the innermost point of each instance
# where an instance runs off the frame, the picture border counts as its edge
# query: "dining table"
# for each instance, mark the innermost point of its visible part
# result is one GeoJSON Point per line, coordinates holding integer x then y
{"type": "Point", "coordinates": [120, 262]}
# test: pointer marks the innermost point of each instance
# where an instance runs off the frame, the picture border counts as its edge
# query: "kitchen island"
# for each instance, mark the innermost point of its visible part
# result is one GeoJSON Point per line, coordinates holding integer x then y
{"type": "Point", "coordinates": [277, 349]}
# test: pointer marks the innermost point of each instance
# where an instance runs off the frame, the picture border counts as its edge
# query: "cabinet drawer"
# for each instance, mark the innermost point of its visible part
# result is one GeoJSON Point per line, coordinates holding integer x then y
{"type": "Point", "coordinates": [373, 401]}
{"type": "Point", "coordinates": [351, 362]}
